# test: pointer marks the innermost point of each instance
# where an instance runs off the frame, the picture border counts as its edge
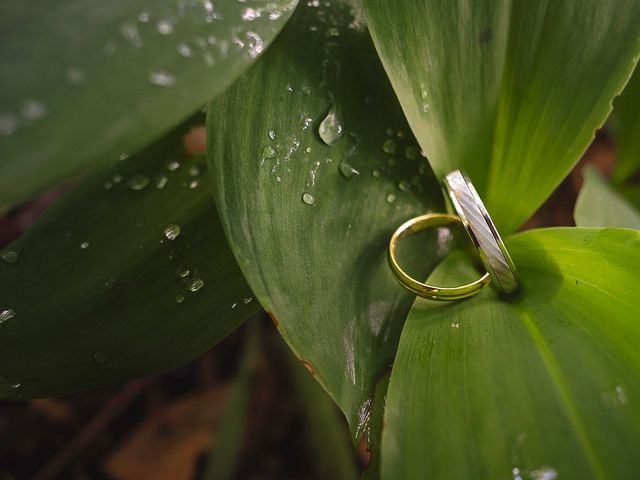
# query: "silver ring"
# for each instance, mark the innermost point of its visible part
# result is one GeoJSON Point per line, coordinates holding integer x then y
{"type": "Point", "coordinates": [483, 232]}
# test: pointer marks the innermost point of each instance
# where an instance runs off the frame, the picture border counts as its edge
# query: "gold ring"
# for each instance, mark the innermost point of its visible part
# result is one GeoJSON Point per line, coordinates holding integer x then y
{"type": "Point", "coordinates": [418, 224]}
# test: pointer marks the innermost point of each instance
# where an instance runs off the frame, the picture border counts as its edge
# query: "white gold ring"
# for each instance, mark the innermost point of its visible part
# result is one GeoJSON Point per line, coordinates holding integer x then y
{"type": "Point", "coordinates": [483, 232]}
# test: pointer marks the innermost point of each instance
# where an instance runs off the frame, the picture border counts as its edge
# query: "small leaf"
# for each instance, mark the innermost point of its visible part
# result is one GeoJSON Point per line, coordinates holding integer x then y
{"type": "Point", "coordinates": [598, 205]}
{"type": "Point", "coordinates": [548, 382]}
{"type": "Point", "coordinates": [509, 91]}
{"type": "Point", "coordinates": [119, 280]}
{"type": "Point", "coordinates": [84, 83]}
{"type": "Point", "coordinates": [308, 222]}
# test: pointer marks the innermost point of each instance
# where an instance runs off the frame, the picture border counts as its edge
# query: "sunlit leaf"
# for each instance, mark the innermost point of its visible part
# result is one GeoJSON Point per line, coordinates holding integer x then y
{"type": "Point", "coordinates": [128, 274]}
{"type": "Point", "coordinates": [509, 91]}
{"type": "Point", "coordinates": [85, 82]}
{"type": "Point", "coordinates": [309, 219]}
{"type": "Point", "coordinates": [545, 384]}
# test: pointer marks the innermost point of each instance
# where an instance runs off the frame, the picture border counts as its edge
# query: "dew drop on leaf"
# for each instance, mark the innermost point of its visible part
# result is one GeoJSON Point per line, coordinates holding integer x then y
{"type": "Point", "coordinates": [172, 231]}
{"type": "Point", "coordinates": [100, 357]}
{"type": "Point", "coordinates": [308, 199]}
{"type": "Point", "coordinates": [162, 78]}
{"type": "Point", "coordinates": [85, 245]}
{"type": "Point", "coordinates": [195, 285]}
{"type": "Point", "coordinates": [331, 129]}
{"type": "Point", "coordinates": [347, 171]}
{"type": "Point", "coordinates": [389, 146]}
{"type": "Point", "coordinates": [9, 256]}
{"type": "Point", "coordinates": [391, 198]}
{"type": "Point", "coordinates": [138, 182]}
{"type": "Point", "coordinates": [179, 298]}
{"type": "Point", "coordinates": [6, 315]}
{"type": "Point", "coordinates": [182, 271]}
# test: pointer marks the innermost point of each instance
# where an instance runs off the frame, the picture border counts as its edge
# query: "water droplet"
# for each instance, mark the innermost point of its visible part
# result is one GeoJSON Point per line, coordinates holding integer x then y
{"type": "Point", "coordinates": [455, 324]}
{"type": "Point", "coordinates": [268, 152]}
{"type": "Point", "coordinates": [391, 198]}
{"type": "Point", "coordinates": [208, 59]}
{"type": "Point", "coordinates": [131, 33]}
{"type": "Point", "coordinates": [173, 166]}
{"type": "Point", "coordinates": [144, 16]}
{"type": "Point", "coordinates": [404, 185]}
{"type": "Point", "coordinates": [6, 315]}
{"type": "Point", "coordinates": [195, 285]}
{"type": "Point", "coordinates": [272, 135]}
{"type": "Point", "coordinates": [234, 305]}
{"type": "Point", "coordinates": [161, 182]}
{"type": "Point", "coordinates": [332, 32]}
{"type": "Point", "coordinates": [117, 178]}
{"type": "Point", "coordinates": [85, 245]}
{"type": "Point", "coordinates": [544, 473]}
{"type": "Point", "coordinates": [164, 27]}
{"type": "Point", "coordinates": [15, 385]}
{"type": "Point", "coordinates": [375, 173]}
{"type": "Point", "coordinates": [100, 357]}
{"type": "Point", "coordinates": [331, 129]}
{"type": "Point", "coordinates": [172, 231]}
{"type": "Point", "coordinates": [75, 76]}
{"type": "Point", "coordinates": [411, 152]}
{"type": "Point", "coordinates": [389, 131]}
{"type": "Point", "coordinates": [196, 170]}
{"type": "Point", "coordinates": [33, 109]}
{"type": "Point", "coordinates": [194, 184]}
{"type": "Point", "coordinates": [162, 78]}
{"type": "Point", "coordinates": [179, 298]}
{"type": "Point", "coordinates": [183, 271]}
{"type": "Point", "coordinates": [9, 256]}
{"type": "Point", "coordinates": [247, 300]}
{"type": "Point", "coordinates": [615, 397]}
{"type": "Point", "coordinates": [8, 124]}
{"type": "Point", "coordinates": [185, 50]}
{"type": "Point", "coordinates": [308, 149]}
{"type": "Point", "coordinates": [250, 14]}
{"type": "Point", "coordinates": [400, 134]}
{"type": "Point", "coordinates": [423, 169]}
{"type": "Point", "coordinates": [308, 198]}
{"type": "Point", "coordinates": [389, 146]}
{"type": "Point", "coordinates": [138, 182]}
{"type": "Point", "coordinates": [347, 171]}
{"type": "Point", "coordinates": [424, 94]}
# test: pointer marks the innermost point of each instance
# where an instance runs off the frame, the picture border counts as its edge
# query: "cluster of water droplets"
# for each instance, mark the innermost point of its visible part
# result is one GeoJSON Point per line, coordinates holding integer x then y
{"type": "Point", "coordinates": [543, 473]}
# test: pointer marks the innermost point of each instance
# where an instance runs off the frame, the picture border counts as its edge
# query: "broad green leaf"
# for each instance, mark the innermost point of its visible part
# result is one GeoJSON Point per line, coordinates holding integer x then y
{"type": "Point", "coordinates": [510, 91]}
{"type": "Point", "coordinates": [598, 205]}
{"type": "Point", "coordinates": [85, 82]}
{"type": "Point", "coordinates": [544, 386]}
{"type": "Point", "coordinates": [626, 130]}
{"type": "Point", "coordinates": [97, 292]}
{"type": "Point", "coordinates": [308, 222]}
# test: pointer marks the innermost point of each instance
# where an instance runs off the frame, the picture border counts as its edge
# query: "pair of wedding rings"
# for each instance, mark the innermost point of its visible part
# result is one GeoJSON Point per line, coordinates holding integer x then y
{"type": "Point", "coordinates": [472, 214]}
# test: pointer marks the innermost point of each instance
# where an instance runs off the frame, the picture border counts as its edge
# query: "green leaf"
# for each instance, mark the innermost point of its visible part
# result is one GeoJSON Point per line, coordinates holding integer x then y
{"type": "Point", "coordinates": [333, 453]}
{"type": "Point", "coordinates": [548, 382]}
{"type": "Point", "coordinates": [95, 286]}
{"type": "Point", "coordinates": [85, 82]}
{"type": "Point", "coordinates": [598, 205]}
{"type": "Point", "coordinates": [232, 432]}
{"type": "Point", "coordinates": [308, 222]}
{"type": "Point", "coordinates": [626, 130]}
{"type": "Point", "coordinates": [510, 92]}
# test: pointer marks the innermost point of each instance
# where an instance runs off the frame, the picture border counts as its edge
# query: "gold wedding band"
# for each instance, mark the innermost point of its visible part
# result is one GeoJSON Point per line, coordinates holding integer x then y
{"type": "Point", "coordinates": [432, 292]}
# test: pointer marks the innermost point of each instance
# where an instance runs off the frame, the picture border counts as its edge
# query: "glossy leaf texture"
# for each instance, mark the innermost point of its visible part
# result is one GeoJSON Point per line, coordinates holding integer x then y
{"type": "Point", "coordinates": [128, 274]}
{"type": "Point", "coordinates": [86, 82]}
{"type": "Point", "coordinates": [543, 386]}
{"type": "Point", "coordinates": [625, 125]}
{"type": "Point", "coordinates": [599, 205]}
{"type": "Point", "coordinates": [511, 92]}
{"type": "Point", "coordinates": [314, 168]}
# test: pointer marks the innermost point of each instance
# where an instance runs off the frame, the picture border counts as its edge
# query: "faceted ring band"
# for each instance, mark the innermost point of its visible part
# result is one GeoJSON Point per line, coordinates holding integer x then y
{"type": "Point", "coordinates": [478, 224]}
{"type": "Point", "coordinates": [424, 290]}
